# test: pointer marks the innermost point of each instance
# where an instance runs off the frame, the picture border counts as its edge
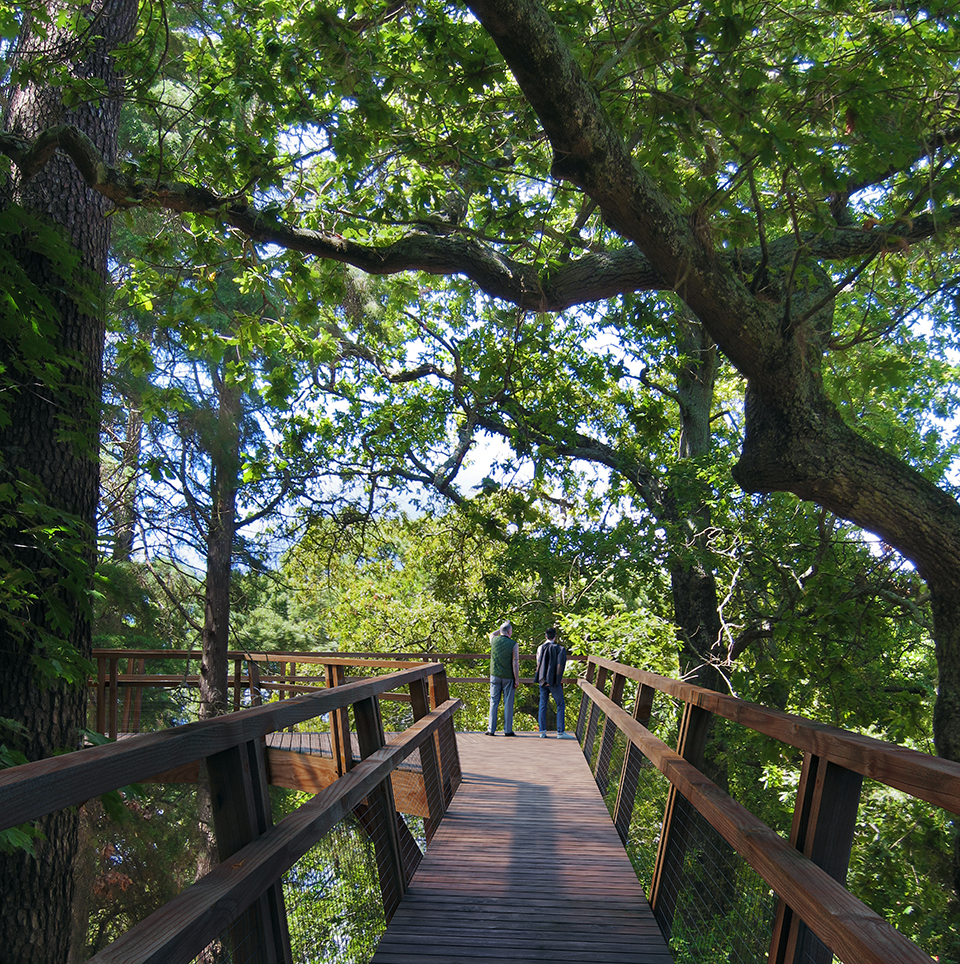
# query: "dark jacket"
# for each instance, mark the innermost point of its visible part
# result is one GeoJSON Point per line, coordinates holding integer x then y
{"type": "Point", "coordinates": [551, 664]}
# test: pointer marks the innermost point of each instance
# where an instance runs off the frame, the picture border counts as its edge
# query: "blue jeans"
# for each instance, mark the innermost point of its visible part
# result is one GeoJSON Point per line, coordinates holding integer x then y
{"type": "Point", "coordinates": [557, 693]}
{"type": "Point", "coordinates": [499, 685]}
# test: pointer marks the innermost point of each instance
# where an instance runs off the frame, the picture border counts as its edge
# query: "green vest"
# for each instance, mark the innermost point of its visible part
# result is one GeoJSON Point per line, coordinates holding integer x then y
{"type": "Point", "coordinates": [501, 656]}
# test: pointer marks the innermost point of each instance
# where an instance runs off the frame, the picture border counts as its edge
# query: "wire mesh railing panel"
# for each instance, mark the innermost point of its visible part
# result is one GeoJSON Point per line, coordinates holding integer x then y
{"type": "Point", "coordinates": [135, 854]}
{"type": "Point", "coordinates": [713, 906]}
{"type": "Point", "coordinates": [645, 819]}
{"type": "Point", "coordinates": [333, 898]}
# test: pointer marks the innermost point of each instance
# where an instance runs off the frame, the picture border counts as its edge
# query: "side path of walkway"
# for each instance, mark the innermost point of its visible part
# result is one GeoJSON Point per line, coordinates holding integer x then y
{"type": "Point", "coordinates": [526, 866]}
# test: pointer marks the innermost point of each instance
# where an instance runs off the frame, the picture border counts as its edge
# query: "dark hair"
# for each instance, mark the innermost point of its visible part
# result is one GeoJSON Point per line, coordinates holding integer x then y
{"type": "Point", "coordinates": [551, 633]}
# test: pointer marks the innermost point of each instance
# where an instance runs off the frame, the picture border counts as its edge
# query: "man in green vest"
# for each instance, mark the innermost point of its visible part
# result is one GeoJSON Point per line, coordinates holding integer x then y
{"type": "Point", "coordinates": [504, 677]}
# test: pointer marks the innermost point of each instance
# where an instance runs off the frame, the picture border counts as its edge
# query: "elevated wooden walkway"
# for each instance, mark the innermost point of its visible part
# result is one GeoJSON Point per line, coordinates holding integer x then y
{"type": "Point", "coordinates": [526, 866]}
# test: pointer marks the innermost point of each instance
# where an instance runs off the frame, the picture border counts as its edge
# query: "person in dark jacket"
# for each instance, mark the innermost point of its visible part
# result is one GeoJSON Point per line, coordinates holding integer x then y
{"type": "Point", "coordinates": [551, 662]}
{"type": "Point", "coordinates": [504, 678]}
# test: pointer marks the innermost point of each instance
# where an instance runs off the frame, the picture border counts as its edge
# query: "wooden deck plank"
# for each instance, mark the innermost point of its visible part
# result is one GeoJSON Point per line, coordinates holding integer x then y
{"type": "Point", "coordinates": [526, 866]}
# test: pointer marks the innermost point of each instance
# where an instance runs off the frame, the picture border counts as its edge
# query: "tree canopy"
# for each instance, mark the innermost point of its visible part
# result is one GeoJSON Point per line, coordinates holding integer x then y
{"type": "Point", "coordinates": [679, 245]}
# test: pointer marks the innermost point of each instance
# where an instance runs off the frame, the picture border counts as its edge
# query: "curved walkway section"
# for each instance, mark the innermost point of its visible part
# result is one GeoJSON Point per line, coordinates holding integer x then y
{"type": "Point", "coordinates": [525, 866]}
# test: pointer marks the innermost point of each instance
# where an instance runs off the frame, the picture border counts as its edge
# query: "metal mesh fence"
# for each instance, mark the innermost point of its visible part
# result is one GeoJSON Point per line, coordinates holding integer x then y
{"type": "Point", "coordinates": [712, 907]}
{"type": "Point", "coordinates": [333, 900]}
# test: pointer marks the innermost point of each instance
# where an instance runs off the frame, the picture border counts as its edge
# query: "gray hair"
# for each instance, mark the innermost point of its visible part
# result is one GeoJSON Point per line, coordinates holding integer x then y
{"type": "Point", "coordinates": [506, 629]}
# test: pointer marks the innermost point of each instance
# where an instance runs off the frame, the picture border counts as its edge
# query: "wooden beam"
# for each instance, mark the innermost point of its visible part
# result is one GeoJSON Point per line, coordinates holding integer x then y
{"type": "Point", "coordinates": [339, 723]}
{"type": "Point", "coordinates": [311, 773]}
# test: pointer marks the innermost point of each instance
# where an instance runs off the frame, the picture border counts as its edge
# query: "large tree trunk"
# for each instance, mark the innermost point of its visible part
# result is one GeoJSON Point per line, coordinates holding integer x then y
{"type": "Point", "coordinates": [51, 439]}
{"type": "Point", "coordinates": [224, 467]}
{"type": "Point", "coordinates": [693, 582]}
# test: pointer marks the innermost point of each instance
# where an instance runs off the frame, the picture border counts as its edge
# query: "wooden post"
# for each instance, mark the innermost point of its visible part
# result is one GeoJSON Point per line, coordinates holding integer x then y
{"type": "Point", "coordinates": [114, 705]}
{"type": "Point", "coordinates": [381, 812]}
{"type": "Point", "coordinates": [138, 702]}
{"type": "Point", "coordinates": [630, 772]}
{"type": "Point", "coordinates": [694, 728]}
{"type": "Point", "coordinates": [429, 762]}
{"type": "Point", "coordinates": [446, 740]}
{"type": "Point", "coordinates": [584, 704]}
{"type": "Point", "coordinates": [102, 695]}
{"type": "Point", "coordinates": [127, 698]}
{"type": "Point", "coordinates": [237, 683]}
{"type": "Point", "coordinates": [824, 823]}
{"type": "Point", "coordinates": [241, 814]}
{"type": "Point", "coordinates": [292, 680]}
{"type": "Point", "coordinates": [608, 735]}
{"type": "Point", "coordinates": [256, 697]}
{"type": "Point", "coordinates": [340, 744]}
{"type": "Point", "coordinates": [592, 720]}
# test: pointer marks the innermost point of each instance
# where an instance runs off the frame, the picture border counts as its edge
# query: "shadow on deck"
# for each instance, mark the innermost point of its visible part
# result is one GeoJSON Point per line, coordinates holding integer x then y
{"type": "Point", "coordinates": [526, 866]}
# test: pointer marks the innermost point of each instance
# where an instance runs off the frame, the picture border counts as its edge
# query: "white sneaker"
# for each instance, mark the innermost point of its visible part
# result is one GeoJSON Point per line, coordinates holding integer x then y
{"type": "Point", "coordinates": [543, 736]}
{"type": "Point", "coordinates": [565, 736]}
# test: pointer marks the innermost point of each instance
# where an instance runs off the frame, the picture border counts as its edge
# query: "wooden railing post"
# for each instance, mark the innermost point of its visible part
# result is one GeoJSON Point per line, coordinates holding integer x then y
{"type": "Point", "coordinates": [237, 683]}
{"type": "Point", "coordinates": [446, 739]}
{"type": "Point", "coordinates": [607, 736]}
{"type": "Point", "coordinates": [630, 772]}
{"type": "Point", "coordinates": [692, 741]}
{"type": "Point", "coordinates": [429, 761]}
{"type": "Point", "coordinates": [340, 744]}
{"type": "Point", "coordinates": [102, 695]}
{"type": "Point", "coordinates": [241, 814]}
{"type": "Point", "coordinates": [138, 702]}
{"type": "Point", "coordinates": [256, 697]}
{"type": "Point", "coordinates": [594, 715]}
{"type": "Point", "coordinates": [380, 817]}
{"type": "Point", "coordinates": [824, 823]}
{"type": "Point", "coordinates": [127, 697]}
{"type": "Point", "coordinates": [114, 701]}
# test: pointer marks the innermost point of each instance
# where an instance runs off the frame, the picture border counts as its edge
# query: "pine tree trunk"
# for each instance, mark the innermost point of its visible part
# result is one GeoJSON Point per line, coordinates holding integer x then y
{"type": "Point", "coordinates": [51, 439]}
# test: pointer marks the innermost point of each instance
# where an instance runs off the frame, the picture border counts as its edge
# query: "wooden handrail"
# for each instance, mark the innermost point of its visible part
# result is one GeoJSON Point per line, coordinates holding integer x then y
{"type": "Point", "coordinates": [846, 925]}
{"type": "Point", "coordinates": [118, 695]}
{"type": "Point", "coordinates": [33, 789]}
{"type": "Point", "coordinates": [194, 918]}
{"type": "Point", "coordinates": [923, 776]}
{"type": "Point", "coordinates": [808, 872]}
{"type": "Point", "coordinates": [338, 658]}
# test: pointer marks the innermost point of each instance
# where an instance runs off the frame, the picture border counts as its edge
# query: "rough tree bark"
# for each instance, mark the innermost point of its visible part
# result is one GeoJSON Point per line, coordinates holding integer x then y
{"type": "Point", "coordinates": [54, 441]}
{"type": "Point", "coordinates": [221, 531]}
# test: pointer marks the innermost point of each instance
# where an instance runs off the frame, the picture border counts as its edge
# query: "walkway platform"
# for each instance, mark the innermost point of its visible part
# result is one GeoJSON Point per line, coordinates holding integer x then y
{"type": "Point", "coordinates": [526, 866]}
